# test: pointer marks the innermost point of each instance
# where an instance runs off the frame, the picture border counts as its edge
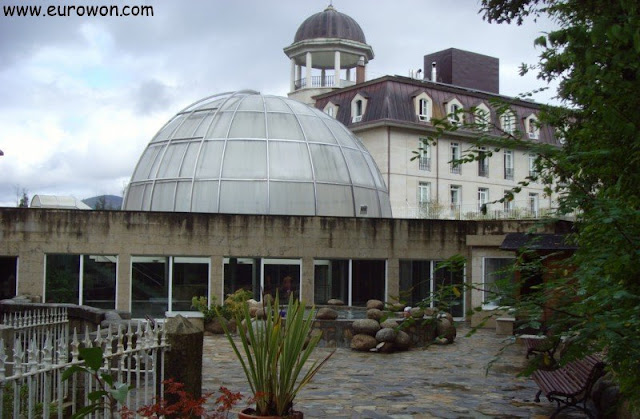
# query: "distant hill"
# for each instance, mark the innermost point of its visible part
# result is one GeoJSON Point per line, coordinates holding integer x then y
{"type": "Point", "coordinates": [110, 202]}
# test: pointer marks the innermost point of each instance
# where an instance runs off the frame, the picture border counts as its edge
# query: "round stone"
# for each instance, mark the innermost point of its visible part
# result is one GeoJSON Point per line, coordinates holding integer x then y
{"type": "Point", "coordinates": [326, 313]}
{"type": "Point", "coordinates": [362, 342]}
{"type": "Point", "coordinates": [397, 307]}
{"type": "Point", "coordinates": [403, 340]}
{"type": "Point", "coordinates": [374, 314]}
{"type": "Point", "coordinates": [365, 326]}
{"type": "Point", "coordinates": [335, 302]}
{"type": "Point", "coordinates": [386, 335]}
{"type": "Point", "coordinates": [375, 304]}
{"type": "Point", "coordinates": [416, 312]}
{"type": "Point", "coordinates": [446, 330]}
{"type": "Point", "coordinates": [389, 323]}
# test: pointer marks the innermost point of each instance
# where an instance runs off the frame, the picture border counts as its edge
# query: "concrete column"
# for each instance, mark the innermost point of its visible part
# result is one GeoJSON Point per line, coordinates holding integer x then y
{"type": "Point", "coordinates": [306, 282]}
{"type": "Point", "coordinates": [308, 71]}
{"type": "Point", "coordinates": [348, 74]}
{"type": "Point", "coordinates": [393, 278]}
{"type": "Point", "coordinates": [216, 279]}
{"type": "Point", "coordinates": [323, 75]}
{"type": "Point", "coordinates": [123, 299]}
{"type": "Point", "coordinates": [183, 362]}
{"type": "Point", "coordinates": [298, 72]}
{"type": "Point", "coordinates": [336, 77]}
{"type": "Point", "coordinates": [292, 83]}
{"type": "Point", "coordinates": [31, 273]}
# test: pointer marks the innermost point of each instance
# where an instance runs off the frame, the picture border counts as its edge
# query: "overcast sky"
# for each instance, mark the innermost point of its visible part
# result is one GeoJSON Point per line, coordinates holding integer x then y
{"type": "Point", "coordinates": [80, 97]}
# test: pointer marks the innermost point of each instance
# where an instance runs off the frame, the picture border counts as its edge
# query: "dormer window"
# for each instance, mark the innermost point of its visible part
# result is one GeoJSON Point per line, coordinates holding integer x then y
{"type": "Point", "coordinates": [423, 106]}
{"type": "Point", "coordinates": [508, 122]}
{"type": "Point", "coordinates": [358, 108]}
{"type": "Point", "coordinates": [331, 109]}
{"type": "Point", "coordinates": [454, 112]}
{"type": "Point", "coordinates": [533, 127]}
{"type": "Point", "coordinates": [482, 117]}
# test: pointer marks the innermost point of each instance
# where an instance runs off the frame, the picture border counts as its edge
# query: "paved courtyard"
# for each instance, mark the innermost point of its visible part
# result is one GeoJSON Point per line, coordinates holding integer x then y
{"type": "Point", "coordinates": [436, 382]}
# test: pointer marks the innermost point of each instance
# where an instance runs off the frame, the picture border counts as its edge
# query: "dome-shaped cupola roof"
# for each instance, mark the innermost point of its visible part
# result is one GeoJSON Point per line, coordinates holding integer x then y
{"type": "Point", "coordinates": [330, 24]}
{"type": "Point", "coordinates": [247, 153]}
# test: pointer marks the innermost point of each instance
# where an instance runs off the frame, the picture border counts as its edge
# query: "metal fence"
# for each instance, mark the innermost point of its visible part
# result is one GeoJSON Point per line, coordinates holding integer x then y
{"type": "Point", "coordinates": [36, 349]}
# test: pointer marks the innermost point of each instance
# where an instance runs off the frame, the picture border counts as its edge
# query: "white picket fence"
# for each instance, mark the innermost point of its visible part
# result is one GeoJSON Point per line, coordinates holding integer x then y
{"type": "Point", "coordinates": [32, 365]}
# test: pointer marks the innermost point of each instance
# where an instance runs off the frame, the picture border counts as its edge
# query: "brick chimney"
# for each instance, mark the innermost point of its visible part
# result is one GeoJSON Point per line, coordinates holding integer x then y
{"type": "Point", "coordinates": [360, 71]}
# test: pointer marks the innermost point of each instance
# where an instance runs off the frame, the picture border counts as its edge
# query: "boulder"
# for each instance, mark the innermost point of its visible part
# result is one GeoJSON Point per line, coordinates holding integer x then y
{"type": "Point", "coordinates": [403, 340]}
{"type": "Point", "coordinates": [215, 325]}
{"type": "Point", "coordinates": [260, 313]}
{"type": "Point", "coordinates": [375, 304]}
{"type": "Point", "coordinates": [365, 326]}
{"type": "Point", "coordinates": [445, 330]}
{"type": "Point", "coordinates": [326, 313]}
{"type": "Point", "coordinates": [447, 316]}
{"type": "Point", "coordinates": [396, 307]}
{"type": "Point", "coordinates": [335, 302]}
{"type": "Point", "coordinates": [389, 323]}
{"type": "Point", "coordinates": [383, 347]}
{"type": "Point", "coordinates": [429, 312]}
{"type": "Point", "coordinates": [362, 342]}
{"type": "Point", "coordinates": [374, 314]}
{"type": "Point", "coordinates": [386, 335]}
{"type": "Point", "coordinates": [416, 312]}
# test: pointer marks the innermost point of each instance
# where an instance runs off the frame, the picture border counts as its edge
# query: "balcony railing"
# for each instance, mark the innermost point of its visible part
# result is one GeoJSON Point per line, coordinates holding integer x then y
{"type": "Point", "coordinates": [471, 211]}
{"type": "Point", "coordinates": [319, 81]}
{"type": "Point", "coordinates": [483, 170]}
{"type": "Point", "coordinates": [424, 163]}
{"type": "Point", "coordinates": [508, 173]}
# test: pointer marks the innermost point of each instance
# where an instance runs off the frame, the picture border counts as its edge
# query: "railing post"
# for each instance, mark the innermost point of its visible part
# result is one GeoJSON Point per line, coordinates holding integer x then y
{"type": "Point", "coordinates": [7, 338]}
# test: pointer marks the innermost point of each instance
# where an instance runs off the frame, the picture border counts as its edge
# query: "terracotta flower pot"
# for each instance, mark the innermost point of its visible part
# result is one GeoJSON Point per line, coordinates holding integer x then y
{"type": "Point", "coordinates": [250, 413]}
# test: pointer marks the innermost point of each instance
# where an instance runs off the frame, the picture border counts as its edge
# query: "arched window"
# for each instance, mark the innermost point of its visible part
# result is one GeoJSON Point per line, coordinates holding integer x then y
{"type": "Point", "coordinates": [423, 105]}
{"type": "Point", "coordinates": [454, 112]}
{"type": "Point", "coordinates": [358, 108]}
{"type": "Point", "coordinates": [482, 117]}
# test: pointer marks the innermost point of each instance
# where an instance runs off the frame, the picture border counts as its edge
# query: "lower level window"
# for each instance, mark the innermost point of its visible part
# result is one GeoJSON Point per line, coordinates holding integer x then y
{"type": "Point", "coordinates": [81, 279]}
{"type": "Point", "coordinates": [8, 276]}
{"type": "Point", "coordinates": [498, 279]}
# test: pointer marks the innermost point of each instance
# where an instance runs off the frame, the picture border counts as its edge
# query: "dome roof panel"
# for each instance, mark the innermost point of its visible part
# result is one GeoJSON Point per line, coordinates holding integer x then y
{"type": "Point", "coordinates": [257, 159]}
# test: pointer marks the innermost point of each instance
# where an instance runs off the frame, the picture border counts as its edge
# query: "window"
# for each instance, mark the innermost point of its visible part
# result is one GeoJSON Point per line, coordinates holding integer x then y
{"type": "Point", "coordinates": [508, 202]}
{"type": "Point", "coordinates": [330, 280]}
{"type": "Point", "coordinates": [534, 204]}
{"type": "Point", "coordinates": [454, 112]}
{"type": "Point", "coordinates": [352, 281]}
{"type": "Point", "coordinates": [483, 162]}
{"type": "Point", "coordinates": [81, 279]}
{"type": "Point", "coordinates": [497, 278]}
{"type": "Point", "coordinates": [532, 127]}
{"type": "Point", "coordinates": [331, 109]}
{"type": "Point", "coordinates": [483, 199]}
{"type": "Point", "coordinates": [160, 284]}
{"type": "Point", "coordinates": [455, 155]}
{"type": "Point", "coordinates": [482, 117]}
{"type": "Point", "coordinates": [358, 108]}
{"type": "Point", "coordinates": [424, 148]}
{"type": "Point", "coordinates": [424, 199]}
{"type": "Point", "coordinates": [423, 105]}
{"type": "Point", "coordinates": [508, 122]}
{"type": "Point", "coordinates": [532, 165]}
{"type": "Point", "coordinates": [8, 276]}
{"type": "Point", "coordinates": [508, 164]}
{"type": "Point", "coordinates": [455, 197]}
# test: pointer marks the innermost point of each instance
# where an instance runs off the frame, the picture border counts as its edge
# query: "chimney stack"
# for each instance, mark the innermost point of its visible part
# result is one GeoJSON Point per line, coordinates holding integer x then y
{"type": "Point", "coordinates": [360, 73]}
{"type": "Point", "coordinates": [434, 73]}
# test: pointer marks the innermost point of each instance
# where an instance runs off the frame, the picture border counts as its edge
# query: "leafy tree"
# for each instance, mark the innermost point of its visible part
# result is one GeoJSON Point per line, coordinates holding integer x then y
{"type": "Point", "coordinates": [595, 177]}
{"type": "Point", "coordinates": [594, 56]}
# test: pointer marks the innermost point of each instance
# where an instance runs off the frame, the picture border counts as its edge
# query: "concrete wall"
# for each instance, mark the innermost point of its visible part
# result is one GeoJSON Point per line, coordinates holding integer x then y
{"type": "Point", "coordinates": [30, 234]}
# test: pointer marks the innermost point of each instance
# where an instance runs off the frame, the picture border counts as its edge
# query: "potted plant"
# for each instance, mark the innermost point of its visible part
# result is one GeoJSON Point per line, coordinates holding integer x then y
{"type": "Point", "coordinates": [273, 352]}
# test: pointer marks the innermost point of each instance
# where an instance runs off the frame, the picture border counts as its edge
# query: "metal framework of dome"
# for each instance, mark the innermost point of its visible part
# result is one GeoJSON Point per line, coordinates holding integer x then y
{"type": "Point", "coordinates": [248, 153]}
{"type": "Point", "coordinates": [330, 24]}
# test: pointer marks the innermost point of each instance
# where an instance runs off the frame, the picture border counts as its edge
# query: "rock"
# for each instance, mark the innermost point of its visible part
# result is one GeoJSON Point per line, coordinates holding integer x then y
{"type": "Point", "coordinates": [215, 326]}
{"type": "Point", "coordinates": [386, 335]}
{"type": "Point", "coordinates": [374, 314]}
{"type": "Point", "coordinates": [389, 323]}
{"type": "Point", "coordinates": [253, 310]}
{"type": "Point", "coordinates": [447, 316]}
{"type": "Point", "coordinates": [375, 304]}
{"type": "Point", "coordinates": [260, 313]}
{"type": "Point", "coordinates": [326, 313]}
{"type": "Point", "coordinates": [365, 326]}
{"type": "Point", "coordinates": [335, 302]}
{"type": "Point", "coordinates": [397, 307]}
{"type": "Point", "coordinates": [112, 316]}
{"type": "Point", "coordinates": [403, 340]}
{"type": "Point", "coordinates": [383, 347]}
{"type": "Point", "coordinates": [446, 330]}
{"type": "Point", "coordinates": [429, 312]}
{"type": "Point", "coordinates": [362, 342]}
{"type": "Point", "coordinates": [416, 312]}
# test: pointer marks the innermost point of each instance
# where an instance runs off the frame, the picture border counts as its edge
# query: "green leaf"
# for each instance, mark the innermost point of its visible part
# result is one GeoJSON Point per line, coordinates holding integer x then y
{"type": "Point", "coordinates": [120, 392]}
{"type": "Point", "coordinates": [71, 370]}
{"type": "Point", "coordinates": [97, 395]}
{"type": "Point", "coordinates": [107, 378]}
{"type": "Point", "coordinates": [86, 411]}
{"type": "Point", "coordinates": [92, 357]}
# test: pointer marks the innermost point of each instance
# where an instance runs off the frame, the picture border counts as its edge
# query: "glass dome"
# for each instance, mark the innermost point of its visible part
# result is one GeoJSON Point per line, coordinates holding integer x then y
{"type": "Point", "coordinates": [247, 153]}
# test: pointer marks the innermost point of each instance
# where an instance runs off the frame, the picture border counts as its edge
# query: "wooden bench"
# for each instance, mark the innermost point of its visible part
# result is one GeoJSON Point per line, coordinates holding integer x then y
{"type": "Point", "coordinates": [571, 384]}
{"type": "Point", "coordinates": [536, 344]}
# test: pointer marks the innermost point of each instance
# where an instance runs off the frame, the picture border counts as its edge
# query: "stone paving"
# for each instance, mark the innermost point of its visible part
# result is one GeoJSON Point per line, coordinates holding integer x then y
{"type": "Point", "coordinates": [436, 382]}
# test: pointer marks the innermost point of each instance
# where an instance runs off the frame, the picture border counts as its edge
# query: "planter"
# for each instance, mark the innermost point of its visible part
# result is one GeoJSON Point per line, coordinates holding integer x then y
{"type": "Point", "coordinates": [250, 413]}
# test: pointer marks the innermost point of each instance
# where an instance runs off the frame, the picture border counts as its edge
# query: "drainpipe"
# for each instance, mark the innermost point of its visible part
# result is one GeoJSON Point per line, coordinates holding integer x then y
{"type": "Point", "coordinates": [389, 161]}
